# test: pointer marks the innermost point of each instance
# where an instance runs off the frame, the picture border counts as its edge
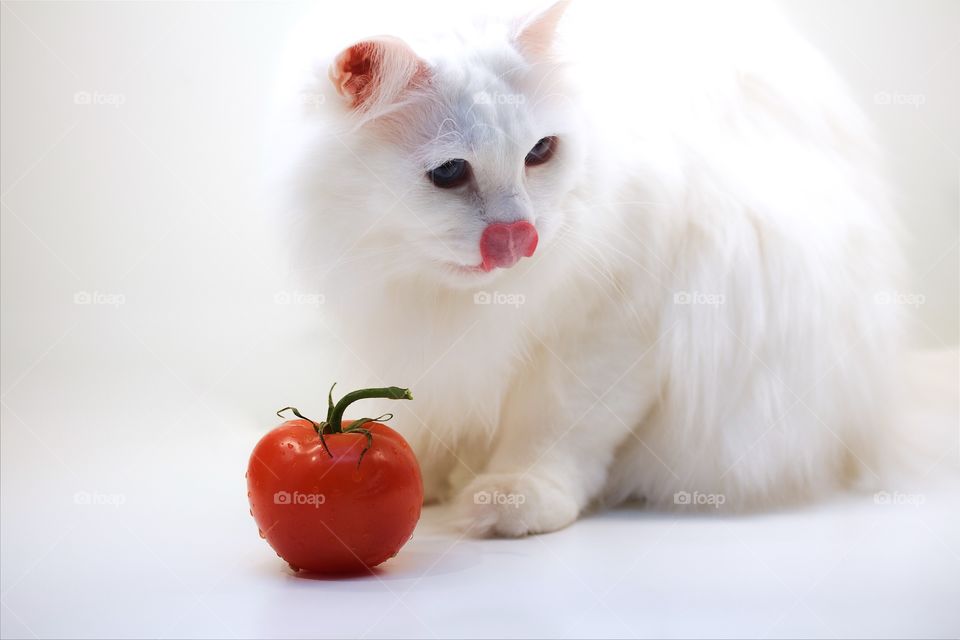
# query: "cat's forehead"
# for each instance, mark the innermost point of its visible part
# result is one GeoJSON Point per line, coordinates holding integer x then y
{"type": "Point", "coordinates": [483, 106]}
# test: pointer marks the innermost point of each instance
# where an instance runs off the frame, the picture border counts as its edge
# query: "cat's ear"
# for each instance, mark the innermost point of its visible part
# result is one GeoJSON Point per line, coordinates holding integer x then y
{"type": "Point", "coordinates": [535, 34]}
{"type": "Point", "coordinates": [375, 72]}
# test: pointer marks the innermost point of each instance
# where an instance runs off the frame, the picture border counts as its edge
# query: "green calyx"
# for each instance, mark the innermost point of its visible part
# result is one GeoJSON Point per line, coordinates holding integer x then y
{"type": "Point", "coordinates": [334, 422]}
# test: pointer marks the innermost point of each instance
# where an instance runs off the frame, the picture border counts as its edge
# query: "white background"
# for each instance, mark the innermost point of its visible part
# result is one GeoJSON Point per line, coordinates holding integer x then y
{"type": "Point", "coordinates": [153, 394]}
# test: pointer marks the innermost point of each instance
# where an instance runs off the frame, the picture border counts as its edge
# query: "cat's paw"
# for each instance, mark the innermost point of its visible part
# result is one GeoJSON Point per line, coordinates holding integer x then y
{"type": "Point", "coordinates": [513, 505]}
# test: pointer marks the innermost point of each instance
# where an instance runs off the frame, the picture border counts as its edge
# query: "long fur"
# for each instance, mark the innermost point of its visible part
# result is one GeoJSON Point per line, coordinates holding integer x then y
{"type": "Point", "coordinates": [702, 313]}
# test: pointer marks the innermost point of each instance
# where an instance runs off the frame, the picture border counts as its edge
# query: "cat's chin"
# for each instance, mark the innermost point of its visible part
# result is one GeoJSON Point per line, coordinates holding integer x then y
{"type": "Point", "coordinates": [460, 276]}
{"type": "Point", "coordinates": [469, 270]}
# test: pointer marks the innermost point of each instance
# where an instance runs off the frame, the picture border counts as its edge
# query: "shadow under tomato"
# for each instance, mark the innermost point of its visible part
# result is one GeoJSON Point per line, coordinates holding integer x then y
{"type": "Point", "coordinates": [420, 559]}
{"type": "Point", "coordinates": [363, 573]}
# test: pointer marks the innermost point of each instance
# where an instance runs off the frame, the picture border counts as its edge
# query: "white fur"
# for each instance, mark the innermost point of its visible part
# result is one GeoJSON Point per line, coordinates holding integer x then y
{"type": "Point", "coordinates": [703, 150]}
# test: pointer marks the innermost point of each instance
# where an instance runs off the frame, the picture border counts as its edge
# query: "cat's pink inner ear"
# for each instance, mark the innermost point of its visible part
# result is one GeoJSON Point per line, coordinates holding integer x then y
{"type": "Point", "coordinates": [375, 71]}
{"type": "Point", "coordinates": [536, 34]}
{"type": "Point", "coordinates": [351, 70]}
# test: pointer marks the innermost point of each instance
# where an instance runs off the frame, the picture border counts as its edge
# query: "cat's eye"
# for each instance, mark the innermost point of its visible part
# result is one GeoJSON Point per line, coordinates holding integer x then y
{"type": "Point", "coordinates": [542, 151]}
{"type": "Point", "coordinates": [451, 173]}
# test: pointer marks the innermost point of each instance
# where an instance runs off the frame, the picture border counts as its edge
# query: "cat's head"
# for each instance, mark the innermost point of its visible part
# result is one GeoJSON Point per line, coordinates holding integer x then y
{"type": "Point", "coordinates": [448, 160]}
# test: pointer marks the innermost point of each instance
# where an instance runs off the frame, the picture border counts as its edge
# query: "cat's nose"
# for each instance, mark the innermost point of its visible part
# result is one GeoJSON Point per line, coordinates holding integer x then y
{"type": "Point", "coordinates": [503, 244]}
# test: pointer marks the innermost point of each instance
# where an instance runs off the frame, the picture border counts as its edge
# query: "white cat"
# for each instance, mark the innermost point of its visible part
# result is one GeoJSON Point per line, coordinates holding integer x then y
{"type": "Point", "coordinates": [616, 251]}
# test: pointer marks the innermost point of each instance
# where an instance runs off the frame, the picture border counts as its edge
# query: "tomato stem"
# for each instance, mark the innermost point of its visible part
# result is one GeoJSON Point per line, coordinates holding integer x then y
{"type": "Point", "coordinates": [334, 423]}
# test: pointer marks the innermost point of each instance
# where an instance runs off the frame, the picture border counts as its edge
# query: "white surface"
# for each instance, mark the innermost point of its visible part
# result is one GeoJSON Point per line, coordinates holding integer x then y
{"type": "Point", "coordinates": [171, 551]}
{"type": "Point", "coordinates": [158, 401]}
{"type": "Point", "coordinates": [180, 558]}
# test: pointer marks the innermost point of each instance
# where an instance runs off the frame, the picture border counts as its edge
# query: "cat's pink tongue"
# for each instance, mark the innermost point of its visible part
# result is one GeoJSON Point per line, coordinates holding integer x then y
{"type": "Point", "coordinates": [502, 244]}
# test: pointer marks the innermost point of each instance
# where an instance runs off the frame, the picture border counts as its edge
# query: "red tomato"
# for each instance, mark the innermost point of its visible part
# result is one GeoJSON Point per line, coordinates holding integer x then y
{"type": "Point", "coordinates": [340, 505]}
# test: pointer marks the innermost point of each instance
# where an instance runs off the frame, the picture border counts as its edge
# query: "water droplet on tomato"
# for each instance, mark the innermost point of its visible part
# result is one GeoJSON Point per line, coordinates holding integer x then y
{"type": "Point", "coordinates": [289, 446]}
{"type": "Point", "coordinates": [261, 534]}
{"type": "Point", "coordinates": [294, 567]}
